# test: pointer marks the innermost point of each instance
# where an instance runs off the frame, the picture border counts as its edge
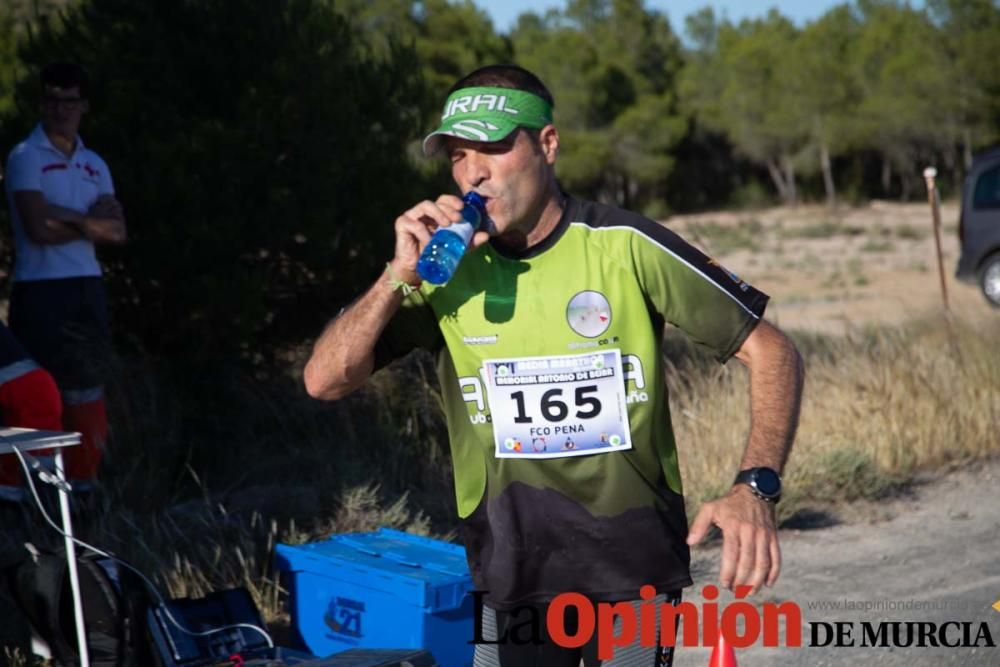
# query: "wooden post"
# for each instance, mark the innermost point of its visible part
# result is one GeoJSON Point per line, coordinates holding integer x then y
{"type": "Point", "coordinates": [930, 173]}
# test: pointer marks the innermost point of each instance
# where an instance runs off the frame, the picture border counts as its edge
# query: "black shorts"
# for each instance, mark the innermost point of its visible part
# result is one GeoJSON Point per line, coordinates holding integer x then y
{"type": "Point", "coordinates": [64, 325]}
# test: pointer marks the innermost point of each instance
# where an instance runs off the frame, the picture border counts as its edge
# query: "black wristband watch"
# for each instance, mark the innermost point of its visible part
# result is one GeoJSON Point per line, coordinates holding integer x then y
{"type": "Point", "coordinates": [764, 482]}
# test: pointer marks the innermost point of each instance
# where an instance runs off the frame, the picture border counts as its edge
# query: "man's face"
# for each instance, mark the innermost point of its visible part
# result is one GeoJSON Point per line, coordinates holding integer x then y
{"type": "Point", "coordinates": [62, 109]}
{"type": "Point", "coordinates": [515, 175]}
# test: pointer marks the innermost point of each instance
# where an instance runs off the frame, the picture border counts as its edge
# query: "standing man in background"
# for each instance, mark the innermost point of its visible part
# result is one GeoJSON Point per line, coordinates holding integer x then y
{"type": "Point", "coordinates": [62, 203]}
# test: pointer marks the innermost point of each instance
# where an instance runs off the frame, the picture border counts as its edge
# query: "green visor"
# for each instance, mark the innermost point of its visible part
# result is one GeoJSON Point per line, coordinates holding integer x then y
{"type": "Point", "coordinates": [487, 114]}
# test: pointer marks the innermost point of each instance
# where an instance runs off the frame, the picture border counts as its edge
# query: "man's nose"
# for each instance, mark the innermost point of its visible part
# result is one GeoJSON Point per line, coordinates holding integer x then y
{"type": "Point", "coordinates": [476, 168]}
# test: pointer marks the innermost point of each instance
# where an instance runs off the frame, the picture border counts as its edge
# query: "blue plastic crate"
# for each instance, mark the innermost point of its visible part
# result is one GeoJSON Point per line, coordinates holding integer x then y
{"type": "Point", "coordinates": [386, 589]}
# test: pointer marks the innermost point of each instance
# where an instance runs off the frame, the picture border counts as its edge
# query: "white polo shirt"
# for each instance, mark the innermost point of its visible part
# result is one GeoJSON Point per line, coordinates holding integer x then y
{"type": "Point", "coordinates": [73, 182]}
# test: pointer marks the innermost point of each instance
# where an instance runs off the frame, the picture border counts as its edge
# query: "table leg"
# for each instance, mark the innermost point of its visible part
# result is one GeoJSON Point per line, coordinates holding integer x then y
{"type": "Point", "coordinates": [74, 579]}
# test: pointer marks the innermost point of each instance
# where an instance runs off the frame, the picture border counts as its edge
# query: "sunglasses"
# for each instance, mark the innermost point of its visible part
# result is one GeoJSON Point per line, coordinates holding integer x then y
{"type": "Point", "coordinates": [68, 102]}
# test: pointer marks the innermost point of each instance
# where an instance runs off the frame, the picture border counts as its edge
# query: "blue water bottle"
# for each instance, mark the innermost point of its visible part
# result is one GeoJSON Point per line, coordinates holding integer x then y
{"type": "Point", "coordinates": [441, 256]}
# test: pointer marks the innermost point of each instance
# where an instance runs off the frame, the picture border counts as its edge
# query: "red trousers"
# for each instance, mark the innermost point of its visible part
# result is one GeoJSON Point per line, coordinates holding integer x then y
{"type": "Point", "coordinates": [90, 419]}
{"type": "Point", "coordinates": [33, 401]}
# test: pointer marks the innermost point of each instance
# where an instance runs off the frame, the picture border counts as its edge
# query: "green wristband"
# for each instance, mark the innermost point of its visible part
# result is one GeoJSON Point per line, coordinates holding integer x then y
{"type": "Point", "coordinates": [396, 284]}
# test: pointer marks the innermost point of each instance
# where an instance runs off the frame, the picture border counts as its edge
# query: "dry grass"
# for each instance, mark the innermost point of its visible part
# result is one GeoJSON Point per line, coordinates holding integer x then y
{"type": "Point", "coordinates": [879, 405]}
{"type": "Point", "coordinates": [206, 476]}
{"type": "Point", "coordinates": [202, 482]}
{"type": "Point", "coordinates": [834, 270]}
{"type": "Point", "coordinates": [198, 547]}
{"type": "Point", "coordinates": [14, 658]}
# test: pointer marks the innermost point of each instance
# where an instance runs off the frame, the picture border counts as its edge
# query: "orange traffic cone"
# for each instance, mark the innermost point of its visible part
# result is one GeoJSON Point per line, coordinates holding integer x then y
{"type": "Point", "coordinates": [723, 654]}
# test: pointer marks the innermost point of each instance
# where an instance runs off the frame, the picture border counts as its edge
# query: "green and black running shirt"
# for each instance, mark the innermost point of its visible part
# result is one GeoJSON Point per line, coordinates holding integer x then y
{"type": "Point", "coordinates": [551, 374]}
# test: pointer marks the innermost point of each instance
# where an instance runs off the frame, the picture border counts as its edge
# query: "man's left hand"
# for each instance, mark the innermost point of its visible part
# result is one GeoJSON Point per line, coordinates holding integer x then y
{"type": "Point", "coordinates": [107, 206]}
{"type": "Point", "coordinates": [750, 552]}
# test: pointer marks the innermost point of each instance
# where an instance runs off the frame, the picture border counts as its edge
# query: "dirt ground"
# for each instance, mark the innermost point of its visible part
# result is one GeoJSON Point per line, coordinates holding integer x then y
{"type": "Point", "coordinates": [834, 270]}
{"type": "Point", "coordinates": [929, 555]}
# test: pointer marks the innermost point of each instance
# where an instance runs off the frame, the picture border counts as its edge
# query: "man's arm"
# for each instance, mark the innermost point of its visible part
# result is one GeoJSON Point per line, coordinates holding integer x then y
{"type": "Point", "coordinates": [47, 224]}
{"type": "Point", "coordinates": [44, 224]}
{"type": "Point", "coordinates": [344, 355]}
{"type": "Point", "coordinates": [750, 552]}
{"type": "Point", "coordinates": [105, 221]}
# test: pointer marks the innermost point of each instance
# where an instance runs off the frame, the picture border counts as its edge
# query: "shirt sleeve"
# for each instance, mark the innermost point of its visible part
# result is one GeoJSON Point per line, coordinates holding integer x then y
{"type": "Point", "coordinates": [24, 171]}
{"type": "Point", "coordinates": [695, 293]}
{"type": "Point", "coordinates": [413, 326]}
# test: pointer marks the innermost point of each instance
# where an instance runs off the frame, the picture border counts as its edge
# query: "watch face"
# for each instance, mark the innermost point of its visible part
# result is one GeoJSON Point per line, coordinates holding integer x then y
{"type": "Point", "coordinates": [767, 482]}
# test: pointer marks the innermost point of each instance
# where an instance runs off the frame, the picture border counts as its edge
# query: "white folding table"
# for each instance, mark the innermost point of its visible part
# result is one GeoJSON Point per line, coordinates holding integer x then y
{"type": "Point", "coordinates": [28, 440]}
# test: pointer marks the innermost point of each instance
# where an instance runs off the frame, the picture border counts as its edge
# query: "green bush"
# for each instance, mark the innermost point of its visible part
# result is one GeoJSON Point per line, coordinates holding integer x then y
{"type": "Point", "coordinates": [260, 157]}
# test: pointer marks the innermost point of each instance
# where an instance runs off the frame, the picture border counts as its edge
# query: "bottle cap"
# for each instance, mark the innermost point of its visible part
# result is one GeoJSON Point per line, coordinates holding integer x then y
{"type": "Point", "coordinates": [473, 198]}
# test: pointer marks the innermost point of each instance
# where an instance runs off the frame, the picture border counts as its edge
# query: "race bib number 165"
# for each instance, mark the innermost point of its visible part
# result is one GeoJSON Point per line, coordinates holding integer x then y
{"type": "Point", "coordinates": [547, 407]}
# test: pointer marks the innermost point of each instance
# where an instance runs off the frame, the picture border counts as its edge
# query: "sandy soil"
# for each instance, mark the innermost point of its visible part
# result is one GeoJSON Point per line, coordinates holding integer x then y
{"type": "Point", "coordinates": [831, 271]}
{"type": "Point", "coordinates": [931, 555]}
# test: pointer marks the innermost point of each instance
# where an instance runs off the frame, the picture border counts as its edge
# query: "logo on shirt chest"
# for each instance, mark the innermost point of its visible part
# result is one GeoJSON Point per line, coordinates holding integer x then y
{"type": "Point", "coordinates": [588, 314]}
{"type": "Point", "coordinates": [92, 174]}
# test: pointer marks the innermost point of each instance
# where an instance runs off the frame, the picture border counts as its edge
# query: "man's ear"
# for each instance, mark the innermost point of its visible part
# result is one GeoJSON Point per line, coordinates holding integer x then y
{"type": "Point", "coordinates": [85, 106]}
{"type": "Point", "coordinates": [548, 140]}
